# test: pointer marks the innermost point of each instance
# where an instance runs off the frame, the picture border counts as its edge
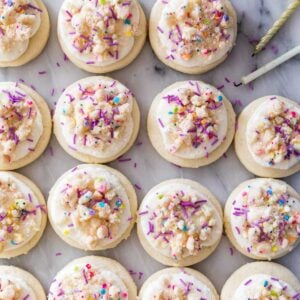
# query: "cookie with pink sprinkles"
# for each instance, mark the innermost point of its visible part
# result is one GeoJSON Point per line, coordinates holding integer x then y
{"type": "Point", "coordinates": [17, 284]}
{"type": "Point", "coordinates": [262, 218]}
{"type": "Point", "coordinates": [95, 278]}
{"type": "Point", "coordinates": [261, 281]}
{"type": "Point", "coordinates": [180, 222]}
{"type": "Point", "coordinates": [92, 207]}
{"type": "Point", "coordinates": [24, 31]}
{"type": "Point", "coordinates": [192, 36]}
{"type": "Point", "coordinates": [191, 124]}
{"type": "Point", "coordinates": [101, 36]}
{"type": "Point", "coordinates": [25, 125]}
{"type": "Point", "coordinates": [96, 119]}
{"type": "Point", "coordinates": [23, 215]}
{"type": "Point", "coordinates": [267, 140]}
{"type": "Point", "coordinates": [178, 283]}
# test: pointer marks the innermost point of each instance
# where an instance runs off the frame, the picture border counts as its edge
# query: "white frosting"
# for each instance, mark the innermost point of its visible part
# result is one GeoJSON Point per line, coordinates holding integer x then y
{"type": "Point", "coordinates": [87, 279]}
{"type": "Point", "coordinates": [21, 124]}
{"type": "Point", "coordinates": [259, 211]}
{"type": "Point", "coordinates": [15, 288]}
{"type": "Point", "coordinates": [76, 112]}
{"type": "Point", "coordinates": [273, 133]}
{"type": "Point", "coordinates": [78, 226]}
{"type": "Point", "coordinates": [109, 28]}
{"type": "Point", "coordinates": [177, 286]}
{"type": "Point", "coordinates": [21, 215]}
{"type": "Point", "coordinates": [180, 227]}
{"type": "Point", "coordinates": [195, 34]}
{"type": "Point", "coordinates": [19, 21]}
{"type": "Point", "coordinates": [190, 128]}
{"type": "Point", "coordinates": [262, 286]}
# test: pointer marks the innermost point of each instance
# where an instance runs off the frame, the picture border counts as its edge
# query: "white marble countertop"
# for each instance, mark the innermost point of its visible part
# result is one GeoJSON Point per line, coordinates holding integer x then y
{"type": "Point", "coordinates": [146, 76]}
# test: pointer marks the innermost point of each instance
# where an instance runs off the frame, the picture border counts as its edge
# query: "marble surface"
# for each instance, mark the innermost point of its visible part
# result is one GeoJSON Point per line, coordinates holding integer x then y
{"type": "Point", "coordinates": [146, 76]}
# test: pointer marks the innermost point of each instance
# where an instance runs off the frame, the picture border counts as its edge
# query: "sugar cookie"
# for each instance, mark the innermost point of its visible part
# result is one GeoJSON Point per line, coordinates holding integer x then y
{"type": "Point", "coordinates": [101, 36]}
{"type": "Point", "coordinates": [179, 222]}
{"type": "Point", "coordinates": [93, 277]}
{"type": "Point", "coordinates": [175, 283]}
{"type": "Point", "coordinates": [192, 36]}
{"type": "Point", "coordinates": [262, 218]}
{"type": "Point", "coordinates": [267, 140]}
{"type": "Point", "coordinates": [191, 124]}
{"type": "Point", "coordinates": [261, 280]}
{"type": "Point", "coordinates": [25, 125]}
{"type": "Point", "coordinates": [16, 283]}
{"type": "Point", "coordinates": [96, 119]}
{"type": "Point", "coordinates": [23, 214]}
{"type": "Point", "coordinates": [24, 31]}
{"type": "Point", "coordinates": [92, 207]}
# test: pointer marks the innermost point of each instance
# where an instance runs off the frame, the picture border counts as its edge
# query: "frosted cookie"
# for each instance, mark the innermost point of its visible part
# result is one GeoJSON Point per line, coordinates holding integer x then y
{"type": "Point", "coordinates": [17, 284]}
{"type": "Point", "coordinates": [267, 141]}
{"type": "Point", "coordinates": [24, 31]}
{"type": "Point", "coordinates": [25, 125]}
{"type": "Point", "coordinates": [175, 283]}
{"type": "Point", "coordinates": [192, 36]}
{"type": "Point", "coordinates": [92, 207]}
{"type": "Point", "coordinates": [262, 218]}
{"type": "Point", "coordinates": [101, 36]}
{"type": "Point", "coordinates": [96, 119]}
{"type": "Point", "coordinates": [191, 124]}
{"type": "Point", "coordinates": [95, 278]}
{"type": "Point", "coordinates": [261, 280]}
{"type": "Point", "coordinates": [180, 222]}
{"type": "Point", "coordinates": [23, 215]}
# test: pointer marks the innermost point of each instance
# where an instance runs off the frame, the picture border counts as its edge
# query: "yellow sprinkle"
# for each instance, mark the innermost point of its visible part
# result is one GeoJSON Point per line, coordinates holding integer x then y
{"type": "Point", "coordinates": [66, 232]}
{"type": "Point", "coordinates": [274, 249]}
{"type": "Point", "coordinates": [76, 268]}
{"type": "Point", "coordinates": [102, 1]}
{"type": "Point", "coordinates": [128, 33]}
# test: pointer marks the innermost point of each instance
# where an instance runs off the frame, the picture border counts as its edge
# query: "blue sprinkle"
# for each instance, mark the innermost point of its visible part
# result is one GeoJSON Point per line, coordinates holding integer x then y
{"type": "Point", "coordinates": [184, 228]}
{"type": "Point", "coordinates": [270, 192]}
{"type": "Point", "coordinates": [127, 21]}
{"type": "Point", "coordinates": [220, 98]}
{"type": "Point", "coordinates": [101, 204]}
{"type": "Point", "coordinates": [286, 217]}
{"type": "Point", "coordinates": [266, 283]}
{"type": "Point", "coordinates": [102, 291]}
{"type": "Point", "coordinates": [119, 202]}
{"type": "Point", "coordinates": [116, 100]}
{"type": "Point", "coordinates": [281, 202]}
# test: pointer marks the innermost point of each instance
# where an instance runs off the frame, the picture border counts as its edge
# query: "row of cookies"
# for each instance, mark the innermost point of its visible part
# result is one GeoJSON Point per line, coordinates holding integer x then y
{"type": "Point", "coordinates": [179, 222]}
{"type": "Point", "coordinates": [102, 36]}
{"type": "Point", "coordinates": [92, 207]}
{"type": "Point", "coordinates": [190, 124]}
{"type": "Point", "coordinates": [99, 278]}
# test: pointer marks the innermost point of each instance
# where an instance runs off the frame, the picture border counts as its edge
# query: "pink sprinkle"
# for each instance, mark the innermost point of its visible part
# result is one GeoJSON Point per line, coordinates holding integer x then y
{"type": "Point", "coordinates": [124, 159]}
{"type": "Point", "coordinates": [249, 281]}
{"type": "Point", "coordinates": [42, 72]}
{"type": "Point", "coordinates": [58, 254]}
{"type": "Point", "coordinates": [161, 123]}
{"type": "Point", "coordinates": [52, 92]}
{"type": "Point", "coordinates": [51, 150]}
{"type": "Point", "coordinates": [137, 187]}
{"type": "Point", "coordinates": [231, 251]}
{"type": "Point", "coordinates": [160, 29]}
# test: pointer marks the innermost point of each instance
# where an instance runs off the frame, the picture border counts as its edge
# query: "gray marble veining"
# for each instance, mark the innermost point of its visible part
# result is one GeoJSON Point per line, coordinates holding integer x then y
{"type": "Point", "coordinates": [146, 76]}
